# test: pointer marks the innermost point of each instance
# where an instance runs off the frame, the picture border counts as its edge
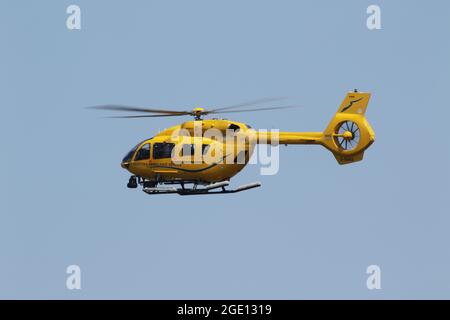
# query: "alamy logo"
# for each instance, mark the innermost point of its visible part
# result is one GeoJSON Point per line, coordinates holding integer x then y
{"type": "Point", "coordinates": [73, 281]}
{"type": "Point", "coordinates": [374, 280]}
{"type": "Point", "coordinates": [73, 21]}
{"type": "Point", "coordinates": [374, 20]}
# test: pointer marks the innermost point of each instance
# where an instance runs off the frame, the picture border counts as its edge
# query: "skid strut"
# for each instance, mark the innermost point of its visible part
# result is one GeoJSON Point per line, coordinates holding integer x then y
{"type": "Point", "coordinates": [195, 190]}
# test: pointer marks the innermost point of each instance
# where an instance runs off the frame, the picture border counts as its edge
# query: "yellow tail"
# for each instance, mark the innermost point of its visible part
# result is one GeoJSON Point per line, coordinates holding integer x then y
{"type": "Point", "coordinates": [349, 134]}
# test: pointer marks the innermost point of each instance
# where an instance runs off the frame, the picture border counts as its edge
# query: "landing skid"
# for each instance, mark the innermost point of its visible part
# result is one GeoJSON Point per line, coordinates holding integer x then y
{"type": "Point", "coordinates": [208, 189]}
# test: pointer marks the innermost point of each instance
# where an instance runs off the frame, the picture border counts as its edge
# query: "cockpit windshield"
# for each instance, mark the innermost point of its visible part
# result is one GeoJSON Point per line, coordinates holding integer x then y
{"type": "Point", "coordinates": [130, 154]}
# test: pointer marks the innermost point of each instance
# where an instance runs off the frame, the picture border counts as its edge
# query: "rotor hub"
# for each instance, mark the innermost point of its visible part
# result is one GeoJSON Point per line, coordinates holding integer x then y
{"type": "Point", "coordinates": [348, 135]}
{"type": "Point", "coordinates": [198, 110]}
{"type": "Point", "coordinates": [197, 113]}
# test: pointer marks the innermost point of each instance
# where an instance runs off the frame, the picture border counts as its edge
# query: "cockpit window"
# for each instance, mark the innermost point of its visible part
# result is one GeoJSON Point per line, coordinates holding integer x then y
{"type": "Point", "coordinates": [143, 153]}
{"type": "Point", "coordinates": [130, 154]}
{"type": "Point", "coordinates": [248, 126]}
{"type": "Point", "coordinates": [162, 150]}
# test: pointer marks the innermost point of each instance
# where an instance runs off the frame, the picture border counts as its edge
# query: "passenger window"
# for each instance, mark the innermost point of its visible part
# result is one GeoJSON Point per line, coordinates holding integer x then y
{"type": "Point", "coordinates": [234, 127]}
{"type": "Point", "coordinates": [143, 153]}
{"type": "Point", "coordinates": [188, 149]}
{"type": "Point", "coordinates": [205, 148]}
{"type": "Point", "coordinates": [162, 150]}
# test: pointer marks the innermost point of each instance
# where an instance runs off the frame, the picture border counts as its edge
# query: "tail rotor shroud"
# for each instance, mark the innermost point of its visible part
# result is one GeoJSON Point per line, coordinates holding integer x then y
{"type": "Point", "coordinates": [347, 135]}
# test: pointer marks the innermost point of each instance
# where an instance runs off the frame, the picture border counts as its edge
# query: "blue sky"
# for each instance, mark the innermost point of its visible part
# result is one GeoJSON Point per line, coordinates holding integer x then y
{"type": "Point", "coordinates": [309, 232]}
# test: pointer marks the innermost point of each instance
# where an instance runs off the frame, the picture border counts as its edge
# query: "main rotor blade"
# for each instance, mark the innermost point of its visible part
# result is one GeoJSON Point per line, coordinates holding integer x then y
{"type": "Point", "coordinates": [247, 103]}
{"type": "Point", "coordinates": [255, 109]}
{"type": "Point", "coordinates": [146, 116]}
{"type": "Point", "coordinates": [115, 107]}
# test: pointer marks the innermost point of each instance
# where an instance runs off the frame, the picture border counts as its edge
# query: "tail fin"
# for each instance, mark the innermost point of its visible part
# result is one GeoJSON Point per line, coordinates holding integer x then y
{"type": "Point", "coordinates": [349, 134]}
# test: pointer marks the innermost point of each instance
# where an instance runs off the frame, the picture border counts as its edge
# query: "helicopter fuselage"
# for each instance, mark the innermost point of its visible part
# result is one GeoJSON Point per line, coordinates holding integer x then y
{"type": "Point", "coordinates": [190, 152]}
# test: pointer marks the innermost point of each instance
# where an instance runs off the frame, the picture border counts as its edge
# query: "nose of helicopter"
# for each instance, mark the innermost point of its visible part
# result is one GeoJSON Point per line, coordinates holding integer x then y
{"type": "Point", "coordinates": [126, 161]}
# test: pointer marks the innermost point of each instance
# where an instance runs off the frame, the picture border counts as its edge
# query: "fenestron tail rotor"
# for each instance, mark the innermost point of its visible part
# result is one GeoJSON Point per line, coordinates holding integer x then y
{"type": "Point", "coordinates": [347, 135]}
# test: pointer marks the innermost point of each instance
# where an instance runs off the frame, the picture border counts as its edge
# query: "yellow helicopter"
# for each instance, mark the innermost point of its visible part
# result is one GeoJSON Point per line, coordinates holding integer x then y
{"type": "Point", "coordinates": [201, 156]}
